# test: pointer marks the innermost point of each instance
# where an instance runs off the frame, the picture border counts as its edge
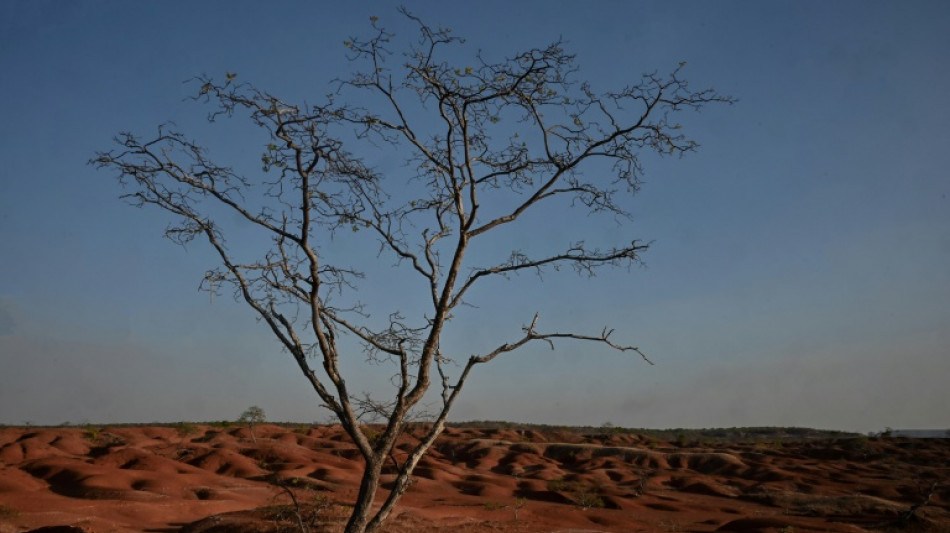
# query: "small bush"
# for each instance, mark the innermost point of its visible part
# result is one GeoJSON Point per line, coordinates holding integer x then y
{"type": "Point", "coordinates": [561, 485]}
{"type": "Point", "coordinates": [519, 504]}
{"type": "Point", "coordinates": [186, 428]}
{"type": "Point", "coordinates": [91, 433]}
{"type": "Point", "coordinates": [371, 434]}
{"type": "Point", "coordinates": [253, 415]}
{"type": "Point", "coordinates": [859, 443]}
{"type": "Point", "coordinates": [589, 500]}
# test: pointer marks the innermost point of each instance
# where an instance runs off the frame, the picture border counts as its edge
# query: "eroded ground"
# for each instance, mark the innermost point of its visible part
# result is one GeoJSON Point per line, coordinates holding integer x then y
{"type": "Point", "coordinates": [209, 479]}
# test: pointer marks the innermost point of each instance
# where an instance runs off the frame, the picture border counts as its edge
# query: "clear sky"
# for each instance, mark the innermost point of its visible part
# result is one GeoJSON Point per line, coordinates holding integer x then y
{"type": "Point", "coordinates": [800, 272]}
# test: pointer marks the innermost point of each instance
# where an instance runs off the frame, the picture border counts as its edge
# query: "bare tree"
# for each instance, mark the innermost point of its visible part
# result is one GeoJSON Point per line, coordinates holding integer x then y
{"type": "Point", "coordinates": [485, 144]}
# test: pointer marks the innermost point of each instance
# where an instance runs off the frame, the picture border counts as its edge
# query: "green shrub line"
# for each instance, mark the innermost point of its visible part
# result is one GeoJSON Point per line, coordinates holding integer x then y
{"type": "Point", "coordinates": [683, 436]}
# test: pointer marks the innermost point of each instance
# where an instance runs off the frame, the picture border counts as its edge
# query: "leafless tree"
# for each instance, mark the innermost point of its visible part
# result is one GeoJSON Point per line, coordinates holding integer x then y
{"type": "Point", "coordinates": [485, 144]}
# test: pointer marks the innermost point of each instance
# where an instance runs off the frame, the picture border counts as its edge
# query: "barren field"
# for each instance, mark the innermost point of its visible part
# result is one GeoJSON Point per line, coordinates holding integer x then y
{"type": "Point", "coordinates": [198, 478]}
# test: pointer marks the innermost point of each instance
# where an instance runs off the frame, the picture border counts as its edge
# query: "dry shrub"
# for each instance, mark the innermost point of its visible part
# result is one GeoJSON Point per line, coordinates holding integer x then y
{"type": "Point", "coordinates": [857, 505]}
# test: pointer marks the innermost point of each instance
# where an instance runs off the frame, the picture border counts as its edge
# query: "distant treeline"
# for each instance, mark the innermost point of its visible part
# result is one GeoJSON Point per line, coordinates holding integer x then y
{"type": "Point", "coordinates": [734, 434]}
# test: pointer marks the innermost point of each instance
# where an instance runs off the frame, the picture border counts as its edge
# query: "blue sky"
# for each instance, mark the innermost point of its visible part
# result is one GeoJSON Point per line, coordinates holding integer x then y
{"type": "Point", "coordinates": [800, 272]}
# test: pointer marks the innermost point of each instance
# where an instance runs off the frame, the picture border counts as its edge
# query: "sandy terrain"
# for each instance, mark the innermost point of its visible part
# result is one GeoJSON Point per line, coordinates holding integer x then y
{"type": "Point", "coordinates": [202, 479]}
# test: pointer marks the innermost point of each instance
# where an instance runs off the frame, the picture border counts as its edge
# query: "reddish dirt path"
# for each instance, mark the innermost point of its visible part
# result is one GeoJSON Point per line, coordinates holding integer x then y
{"type": "Point", "coordinates": [160, 479]}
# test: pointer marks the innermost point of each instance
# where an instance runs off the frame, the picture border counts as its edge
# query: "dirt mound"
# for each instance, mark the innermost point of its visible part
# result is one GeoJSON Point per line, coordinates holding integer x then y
{"type": "Point", "coordinates": [58, 529]}
{"type": "Point", "coordinates": [200, 479]}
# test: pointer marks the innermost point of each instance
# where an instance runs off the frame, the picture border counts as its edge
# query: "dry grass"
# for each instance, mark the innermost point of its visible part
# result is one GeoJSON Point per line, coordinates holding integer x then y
{"type": "Point", "coordinates": [799, 504]}
{"type": "Point", "coordinates": [8, 513]}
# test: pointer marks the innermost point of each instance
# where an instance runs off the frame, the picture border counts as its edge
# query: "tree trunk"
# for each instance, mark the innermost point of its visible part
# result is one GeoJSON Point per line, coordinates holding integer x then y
{"type": "Point", "coordinates": [367, 495]}
{"type": "Point", "coordinates": [400, 487]}
{"type": "Point", "coordinates": [404, 477]}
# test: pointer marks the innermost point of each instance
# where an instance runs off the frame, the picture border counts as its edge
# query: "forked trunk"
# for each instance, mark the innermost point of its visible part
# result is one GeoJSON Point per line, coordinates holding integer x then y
{"type": "Point", "coordinates": [362, 520]}
{"type": "Point", "coordinates": [404, 478]}
{"type": "Point", "coordinates": [400, 487]}
{"type": "Point", "coordinates": [364, 501]}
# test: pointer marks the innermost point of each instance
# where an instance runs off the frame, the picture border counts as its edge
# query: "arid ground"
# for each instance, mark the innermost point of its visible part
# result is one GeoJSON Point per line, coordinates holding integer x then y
{"type": "Point", "coordinates": [200, 478]}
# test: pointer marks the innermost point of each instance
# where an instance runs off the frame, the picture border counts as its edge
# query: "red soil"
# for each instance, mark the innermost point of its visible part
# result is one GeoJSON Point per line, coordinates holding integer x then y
{"type": "Point", "coordinates": [165, 479]}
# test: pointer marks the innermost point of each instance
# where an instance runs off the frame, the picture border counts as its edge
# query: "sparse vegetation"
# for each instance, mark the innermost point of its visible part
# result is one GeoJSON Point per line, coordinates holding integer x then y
{"type": "Point", "coordinates": [371, 434]}
{"type": "Point", "coordinates": [304, 515]}
{"type": "Point", "coordinates": [515, 507]}
{"type": "Point", "coordinates": [584, 496]}
{"type": "Point", "coordinates": [651, 436]}
{"type": "Point", "coordinates": [895, 487]}
{"type": "Point", "coordinates": [252, 416]}
{"type": "Point", "coordinates": [798, 504]}
{"type": "Point", "coordinates": [520, 503]}
{"type": "Point", "coordinates": [707, 435]}
{"type": "Point", "coordinates": [857, 443]}
{"type": "Point", "coordinates": [586, 499]}
{"type": "Point", "coordinates": [681, 440]}
{"type": "Point", "coordinates": [561, 485]}
{"type": "Point", "coordinates": [493, 506]}
{"type": "Point", "coordinates": [186, 428]}
{"type": "Point", "coordinates": [91, 433]}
